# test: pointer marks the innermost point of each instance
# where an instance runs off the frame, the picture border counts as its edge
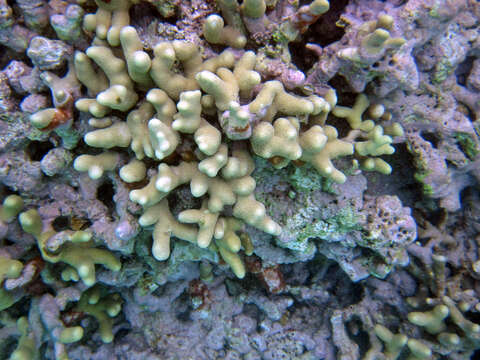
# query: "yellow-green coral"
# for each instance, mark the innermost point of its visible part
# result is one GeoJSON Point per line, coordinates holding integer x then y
{"type": "Point", "coordinates": [229, 244]}
{"type": "Point", "coordinates": [394, 343]}
{"type": "Point", "coordinates": [374, 37]}
{"type": "Point", "coordinates": [109, 19]}
{"type": "Point", "coordinates": [10, 208]}
{"type": "Point", "coordinates": [104, 309]}
{"type": "Point", "coordinates": [184, 92]}
{"type": "Point", "coordinates": [279, 139]}
{"type": "Point", "coordinates": [432, 321]}
{"type": "Point", "coordinates": [216, 32]}
{"type": "Point", "coordinates": [96, 165]}
{"type": "Point", "coordinates": [9, 268]}
{"type": "Point", "coordinates": [253, 8]}
{"type": "Point", "coordinates": [73, 248]}
{"type": "Point", "coordinates": [321, 145]}
{"type": "Point", "coordinates": [26, 348]}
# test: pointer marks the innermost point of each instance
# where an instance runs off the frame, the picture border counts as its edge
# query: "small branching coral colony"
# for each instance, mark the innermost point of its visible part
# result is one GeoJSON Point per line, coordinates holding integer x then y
{"type": "Point", "coordinates": [201, 120]}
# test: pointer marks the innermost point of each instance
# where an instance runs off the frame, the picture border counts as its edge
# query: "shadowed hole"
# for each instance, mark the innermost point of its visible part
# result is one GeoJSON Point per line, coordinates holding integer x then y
{"type": "Point", "coordinates": [36, 150]}
{"type": "Point", "coordinates": [105, 194]}
{"type": "Point", "coordinates": [61, 223]}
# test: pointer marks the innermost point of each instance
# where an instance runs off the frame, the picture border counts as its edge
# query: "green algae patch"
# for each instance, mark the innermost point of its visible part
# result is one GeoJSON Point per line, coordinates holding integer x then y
{"type": "Point", "coordinates": [467, 144]}
{"type": "Point", "coordinates": [305, 179]}
{"type": "Point", "coordinates": [344, 221]}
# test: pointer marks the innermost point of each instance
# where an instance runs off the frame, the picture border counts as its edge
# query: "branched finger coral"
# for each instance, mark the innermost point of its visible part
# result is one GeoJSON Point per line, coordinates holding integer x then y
{"type": "Point", "coordinates": [102, 308]}
{"type": "Point", "coordinates": [72, 248]}
{"type": "Point", "coordinates": [176, 120]}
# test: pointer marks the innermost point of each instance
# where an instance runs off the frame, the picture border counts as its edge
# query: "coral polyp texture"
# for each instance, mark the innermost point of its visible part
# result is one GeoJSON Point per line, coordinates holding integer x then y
{"type": "Point", "coordinates": [232, 179]}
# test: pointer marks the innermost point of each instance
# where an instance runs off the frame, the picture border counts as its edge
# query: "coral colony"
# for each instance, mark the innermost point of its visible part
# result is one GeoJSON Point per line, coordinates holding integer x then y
{"type": "Point", "coordinates": [256, 179]}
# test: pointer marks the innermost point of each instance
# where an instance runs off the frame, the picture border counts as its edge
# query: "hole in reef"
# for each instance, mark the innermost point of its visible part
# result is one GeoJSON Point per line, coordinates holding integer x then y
{"type": "Point", "coordinates": [341, 124]}
{"type": "Point", "coordinates": [325, 30]}
{"type": "Point", "coordinates": [7, 242]}
{"type": "Point", "coordinates": [177, 200]}
{"type": "Point", "coordinates": [105, 193]}
{"type": "Point", "coordinates": [79, 223]}
{"type": "Point", "coordinates": [357, 291]}
{"type": "Point", "coordinates": [145, 14]}
{"type": "Point", "coordinates": [183, 316]}
{"type": "Point", "coordinates": [401, 181]}
{"type": "Point", "coordinates": [4, 59]}
{"type": "Point", "coordinates": [183, 308]}
{"type": "Point", "coordinates": [432, 138]}
{"type": "Point", "coordinates": [9, 345]}
{"type": "Point", "coordinates": [473, 317]}
{"type": "Point", "coordinates": [467, 111]}
{"type": "Point", "coordinates": [337, 283]}
{"type": "Point", "coordinates": [451, 163]}
{"type": "Point", "coordinates": [468, 197]}
{"type": "Point", "coordinates": [6, 191]}
{"type": "Point", "coordinates": [476, 354]}
{"type": "Point", "coordinates": [15, 9]}
{"type": "Point", "coordinates": [434, 217]}
{"type": "Point", "coordinates": [36, 150]}
{"type": "Point", "coordinates": [463, 70]}
{"type": "Point", "coordinates": [61, 223]}
{"type": "Point", "coordinates": [360, 336]}
{"type": "Point", "coordinates": [348, 95]}
{"type": "Point", "coordinates": [120, 334]}
{"type": "Point", "coordinates": [142, 10]}
{"type": "Point", "coordinates": [62, 70]}
{"type": "Point", "coordinates": [252, 311]}
{"type": "Point", "coordinates": [301, 56]}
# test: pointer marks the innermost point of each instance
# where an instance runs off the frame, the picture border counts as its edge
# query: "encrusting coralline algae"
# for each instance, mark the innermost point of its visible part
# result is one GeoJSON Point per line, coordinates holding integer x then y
{"type": "Point", "coordinates": [262, 179]}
